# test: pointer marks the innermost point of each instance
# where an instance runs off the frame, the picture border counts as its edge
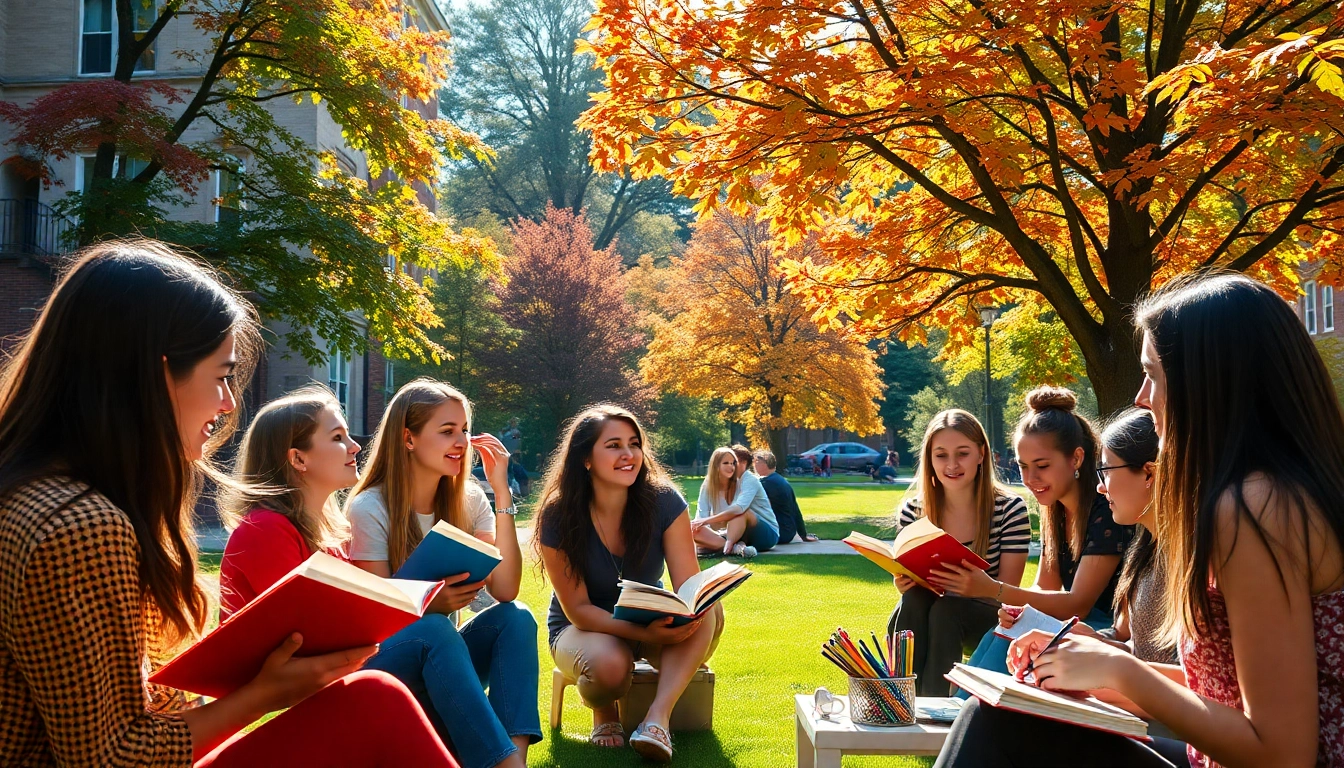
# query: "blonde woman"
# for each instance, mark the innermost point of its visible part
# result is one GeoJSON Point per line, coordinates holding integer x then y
{"type": "Point", "coordinates": [733, 515]}
{"type": "Point", "coordinates": [419, 472]}
{"type": "Point", "coordinates": [956, 490]}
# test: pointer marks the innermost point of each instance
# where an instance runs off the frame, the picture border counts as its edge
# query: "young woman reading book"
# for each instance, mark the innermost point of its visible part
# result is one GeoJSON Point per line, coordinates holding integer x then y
{"type": "Point", "coordinates": [418, 473]}
{"type": "Point", "coordinates": [732, 500]}
{"type": "Point", "coordinates": [1081, 545]}
{"type": "Point", "coordinates": [608, 512]}
{"type": "Point", "coordinates": [108, 410]}
{"type": "Point", "coordinates": [956, 490]}
{"type": "Point", "coordinates": [1249, 505]}
{"type": "Point", "coordinates": [296, 455]}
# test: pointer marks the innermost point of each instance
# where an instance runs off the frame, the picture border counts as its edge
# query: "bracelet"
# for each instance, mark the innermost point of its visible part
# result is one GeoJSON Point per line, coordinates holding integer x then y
{"type": "Point", "coordinates": [998, 596]}
{"type": "Point", "coordinates": [511, 510]}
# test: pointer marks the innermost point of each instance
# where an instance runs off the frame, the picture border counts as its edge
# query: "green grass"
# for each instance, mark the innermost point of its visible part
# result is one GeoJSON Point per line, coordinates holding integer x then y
{"type": "Point", "coordinates": [832, 510]}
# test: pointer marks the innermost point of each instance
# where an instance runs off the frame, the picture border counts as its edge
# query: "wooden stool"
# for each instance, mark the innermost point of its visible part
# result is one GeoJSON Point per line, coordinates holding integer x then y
{"type": "Point", "coordinates": [694, 710]}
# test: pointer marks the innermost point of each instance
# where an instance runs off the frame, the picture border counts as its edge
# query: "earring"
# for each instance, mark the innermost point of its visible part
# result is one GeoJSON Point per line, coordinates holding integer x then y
{"type": "Point", "coordinates": [1075, 474]}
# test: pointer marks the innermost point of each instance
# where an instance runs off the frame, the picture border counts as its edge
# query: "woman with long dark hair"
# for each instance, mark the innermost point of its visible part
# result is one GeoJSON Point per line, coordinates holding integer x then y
{"type": "Point", "coordinates": [108, 412]}
{"type": "Point", "coordinates": [608, 512]}
{"type": "Point", "coordinates": [1249, 503]}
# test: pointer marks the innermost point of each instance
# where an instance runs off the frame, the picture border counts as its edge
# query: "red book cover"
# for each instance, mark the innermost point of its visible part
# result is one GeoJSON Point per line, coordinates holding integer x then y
{"type": "Point", "coordinates": [922, 559]}
{"type": "Point", "coordinates": [308, 601]}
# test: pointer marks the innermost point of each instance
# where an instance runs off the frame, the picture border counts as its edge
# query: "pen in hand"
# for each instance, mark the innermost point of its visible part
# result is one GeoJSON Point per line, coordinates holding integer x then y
{"type": "Point", "coordinates": [1031, 664]}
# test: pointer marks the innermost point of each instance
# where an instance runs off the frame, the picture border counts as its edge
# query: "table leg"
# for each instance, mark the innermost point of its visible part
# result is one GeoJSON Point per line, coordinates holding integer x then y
{"type": "Point", "coordinates": [803, 745]}
{"type": "Point", "coordinates": [828, 758]}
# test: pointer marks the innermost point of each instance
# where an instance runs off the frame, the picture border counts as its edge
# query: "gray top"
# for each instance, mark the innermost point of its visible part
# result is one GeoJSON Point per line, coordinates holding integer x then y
{"type": "Point", "coordinates": [1145, 617]}
{"type": "Point", "coordinates": [751, 495]}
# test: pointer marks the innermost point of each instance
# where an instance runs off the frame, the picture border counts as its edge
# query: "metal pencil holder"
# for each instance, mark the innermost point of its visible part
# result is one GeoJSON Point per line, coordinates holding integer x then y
{"type": "Point", "coordinates": [885, 702]}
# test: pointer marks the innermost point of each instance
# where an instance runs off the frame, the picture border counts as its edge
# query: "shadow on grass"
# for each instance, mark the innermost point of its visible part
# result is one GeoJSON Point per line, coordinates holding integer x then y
{"type": "Point", "coordinates": [699, 748]}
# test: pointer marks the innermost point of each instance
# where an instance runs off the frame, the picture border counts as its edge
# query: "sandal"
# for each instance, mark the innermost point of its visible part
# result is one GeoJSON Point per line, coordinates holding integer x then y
{"type": "Point", "coordinates": [811, 537]}
{"type": "Point", "coordinates": [652, 742]}
{"type": "Point", "coordinates": [612, 730]}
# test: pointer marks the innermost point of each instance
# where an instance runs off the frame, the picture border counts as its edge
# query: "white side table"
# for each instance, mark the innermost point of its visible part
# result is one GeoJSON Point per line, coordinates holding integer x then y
{"type": "Point", "coordinates": [820, 743]}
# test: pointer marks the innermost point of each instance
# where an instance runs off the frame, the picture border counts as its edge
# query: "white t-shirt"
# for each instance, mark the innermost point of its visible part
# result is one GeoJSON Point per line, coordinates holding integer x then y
{"type": "Point", "coordinates": [368, 521]}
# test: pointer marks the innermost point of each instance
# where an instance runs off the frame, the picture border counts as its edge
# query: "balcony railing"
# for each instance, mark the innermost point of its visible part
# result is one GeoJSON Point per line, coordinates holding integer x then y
{"type": "Point", "coordinates": [31, 228]}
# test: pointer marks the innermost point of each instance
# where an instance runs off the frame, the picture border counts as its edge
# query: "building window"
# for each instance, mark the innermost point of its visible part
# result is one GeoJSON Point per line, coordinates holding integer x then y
{"type": "Point", "coordinates": [339, 367]}
{"type": "Point", "coordinates": [229, 193]}
{"type": "Point", "coordinates": [123, 167]}
{"type": "Point", "coordinates": [1309, 306]}
{"type": "Point", "coordinates": [1327, 308]}
{"type": "Point", "coordinates": [98, 35]}
{"type": "Point", "coordinates": [389, 382]}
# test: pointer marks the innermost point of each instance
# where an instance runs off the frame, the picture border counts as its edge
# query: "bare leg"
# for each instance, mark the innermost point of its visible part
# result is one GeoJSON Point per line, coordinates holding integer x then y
{"type": "Point", "coordinates": [707, 541]}
{"type": "Point", "coordinates": [522, 743]}
{"type": "Point", "coordinates": [678, 665]}
{"type": "Point", "coordinates": [737, 527]}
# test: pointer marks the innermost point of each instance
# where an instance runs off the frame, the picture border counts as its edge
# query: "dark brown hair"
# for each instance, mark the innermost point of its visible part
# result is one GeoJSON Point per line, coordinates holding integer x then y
{"type": "Point", "coordinates": [1131, 436]}
{"type": "Point", "coordinates": [1246, 394]}
{"type": "Point", "coordinates": [1051, 411]}
{"type": "Point", "coordinates": [85, 395]}
{"type": "Point", "coordinates": [567, 493]}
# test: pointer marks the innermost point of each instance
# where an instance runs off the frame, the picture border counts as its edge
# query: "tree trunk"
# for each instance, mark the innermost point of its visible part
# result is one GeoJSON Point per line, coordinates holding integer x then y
{"type": "Point", "coordinates": [776, 433]}
{"type": "Point", "coordinates": [1115, 372]}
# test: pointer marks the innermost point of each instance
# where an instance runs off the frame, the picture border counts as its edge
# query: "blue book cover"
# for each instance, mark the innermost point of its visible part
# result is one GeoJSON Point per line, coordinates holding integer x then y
{"type": "Point", "coordinates": [447, 551]}
{"type": "Point", "coordinates": [643, 604]}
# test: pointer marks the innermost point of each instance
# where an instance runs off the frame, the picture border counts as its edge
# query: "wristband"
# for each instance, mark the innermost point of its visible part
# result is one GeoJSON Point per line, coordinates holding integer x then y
{"type": "Point", "coordinates": [511, 510]}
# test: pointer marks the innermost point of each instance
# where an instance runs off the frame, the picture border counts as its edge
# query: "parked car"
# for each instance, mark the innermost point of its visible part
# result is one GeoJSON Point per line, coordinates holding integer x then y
{"type": "Point", "coordinates": [846, 455]}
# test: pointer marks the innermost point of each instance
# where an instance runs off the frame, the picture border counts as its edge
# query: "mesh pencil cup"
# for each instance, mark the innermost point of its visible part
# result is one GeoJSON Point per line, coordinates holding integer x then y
{"type": "Point", "coordinates": [884, 702]}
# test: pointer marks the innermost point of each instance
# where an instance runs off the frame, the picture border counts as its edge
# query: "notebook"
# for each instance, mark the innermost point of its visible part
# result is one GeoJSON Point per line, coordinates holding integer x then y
{"type": "Point", "coordinates": [447, 551]}
{"type": "Point", "coordinates": [999, 690]}
{"type": "Point", "coordinates": [1029, 619]}
{"type": "Point", "coordinates": [332, 603]}
{"type": "Point", "coordinates": [641, 603]}
{"type": "Point", "coordinates": [919, 548]}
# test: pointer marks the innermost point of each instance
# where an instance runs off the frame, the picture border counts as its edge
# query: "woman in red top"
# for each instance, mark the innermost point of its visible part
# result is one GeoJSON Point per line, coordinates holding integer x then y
{"type": "Point", "coordinates": [108, 412]}
{"type": "Point", "coordinates": [1249, 506]}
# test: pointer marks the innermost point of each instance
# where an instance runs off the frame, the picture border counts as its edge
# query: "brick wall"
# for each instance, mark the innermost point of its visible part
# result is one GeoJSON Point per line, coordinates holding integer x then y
{"type": "Point", "coordinates": [24, 287]}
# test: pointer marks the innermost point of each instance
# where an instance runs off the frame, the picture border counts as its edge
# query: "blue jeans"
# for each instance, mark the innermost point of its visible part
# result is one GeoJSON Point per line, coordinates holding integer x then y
{"type": "Point", "coordinates": [992, 653]}
{"type": "Point", "coordinates": [448, 670]}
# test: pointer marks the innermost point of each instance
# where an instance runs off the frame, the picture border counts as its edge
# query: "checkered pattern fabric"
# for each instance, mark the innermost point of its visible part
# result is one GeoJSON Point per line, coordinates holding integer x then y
{"type": "Point", "coordinates": [73, 643]}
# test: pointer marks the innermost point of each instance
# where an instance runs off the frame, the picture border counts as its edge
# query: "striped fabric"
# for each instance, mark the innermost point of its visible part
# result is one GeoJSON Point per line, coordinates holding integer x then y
{"type": "Point", "coordinates": [1009, 529]}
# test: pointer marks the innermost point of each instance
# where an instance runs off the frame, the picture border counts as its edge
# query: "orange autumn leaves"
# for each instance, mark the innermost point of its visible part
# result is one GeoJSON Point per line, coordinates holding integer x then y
{"type": "Point", "coordinates": [726, 326]}
{"type": "Point", "coordinates": [988, 151]}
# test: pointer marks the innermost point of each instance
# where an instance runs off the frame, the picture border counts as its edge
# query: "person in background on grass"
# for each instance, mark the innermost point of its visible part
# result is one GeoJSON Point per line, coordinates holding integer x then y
{"type": "Point", "coordinates": [956, 489]}
{"type": "Point", "coordinates": [109, 410]}
{"type": "Point", "coordinates": [608, 512]}
{"type": "Point", "coordinates": [826, 465]}
{"type": "Point", "coordinates": [416, 476]}
{"type": "Point", "coordinates": [1081, 545]}
{"type": "Point", "coordinates": [782, 499]}
{"type": "Point", "coordinates": [733, 516]}
{"type": "Point", "coordinates": [297, 454]}
{"type": "Point", "coordinates": [1249, 508]}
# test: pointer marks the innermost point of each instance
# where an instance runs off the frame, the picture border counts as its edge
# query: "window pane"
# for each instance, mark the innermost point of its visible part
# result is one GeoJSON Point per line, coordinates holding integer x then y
{"type": "Point", "coordinates": [146, 61]}
{"type": "Point", "coordinates": [98, 16]}
{"type": "Point", "coordinates": [144, 14]}
{"type": "Point", "coordinates": [97, 54]}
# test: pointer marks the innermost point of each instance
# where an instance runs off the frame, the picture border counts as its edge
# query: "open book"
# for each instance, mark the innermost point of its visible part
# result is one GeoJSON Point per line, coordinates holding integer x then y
{"type": "Point", "coordinates": [999, 690]}
{"type": "Point", "coordinates": [447, 551]}
{"type": "Point", "coordinates": [332, 603]}
{"type": "Point", "coordinates": [919, 548]}
{"type": "Point", "coordinates": [643, 604]}
{"type": "Point", "coordinates": [1029, 619]}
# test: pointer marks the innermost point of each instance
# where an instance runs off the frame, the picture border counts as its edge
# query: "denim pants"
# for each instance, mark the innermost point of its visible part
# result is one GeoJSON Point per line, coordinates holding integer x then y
{"type": "Point", "coordinates": [992, 653]}
{"type": "Point", "coordinates": [448, 669]}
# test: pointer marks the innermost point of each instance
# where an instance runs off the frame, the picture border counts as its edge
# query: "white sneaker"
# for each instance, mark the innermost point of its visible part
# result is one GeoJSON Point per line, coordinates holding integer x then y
{"type": "Point", "coordinates": [744, 550]}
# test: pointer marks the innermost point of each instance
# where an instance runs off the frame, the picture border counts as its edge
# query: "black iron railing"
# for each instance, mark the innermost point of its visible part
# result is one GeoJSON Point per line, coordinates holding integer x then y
{"type": "Point", "coordinates": [32, 228]}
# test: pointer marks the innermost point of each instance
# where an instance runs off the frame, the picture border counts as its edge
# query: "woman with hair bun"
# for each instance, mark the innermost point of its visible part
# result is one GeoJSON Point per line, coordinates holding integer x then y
{"type": "Point", "coordinates": [1081, 545]}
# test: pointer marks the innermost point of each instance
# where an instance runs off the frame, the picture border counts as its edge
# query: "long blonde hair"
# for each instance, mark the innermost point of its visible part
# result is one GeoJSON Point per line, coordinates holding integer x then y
{"type": "Point", "coordinates": [267, 479]}
{"type": "Point", "coordinates": [987, 487]}
{"type": "Point", "coordinates": [389, 467]}
{"type": "Point", "coordinates": [714, 481]}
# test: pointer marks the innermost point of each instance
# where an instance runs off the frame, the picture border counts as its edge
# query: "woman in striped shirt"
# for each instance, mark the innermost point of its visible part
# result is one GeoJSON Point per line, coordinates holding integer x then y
{"type": "Point", "coordinates": [956, 489]}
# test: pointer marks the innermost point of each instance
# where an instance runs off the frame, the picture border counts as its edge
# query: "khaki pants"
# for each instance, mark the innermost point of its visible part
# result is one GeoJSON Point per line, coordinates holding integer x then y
{"type": "Point", "coordinates": [603, 666]}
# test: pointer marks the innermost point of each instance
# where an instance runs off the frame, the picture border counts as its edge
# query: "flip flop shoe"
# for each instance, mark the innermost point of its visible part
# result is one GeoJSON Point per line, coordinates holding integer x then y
{"type": "Point", "coordinates": [652, 742]}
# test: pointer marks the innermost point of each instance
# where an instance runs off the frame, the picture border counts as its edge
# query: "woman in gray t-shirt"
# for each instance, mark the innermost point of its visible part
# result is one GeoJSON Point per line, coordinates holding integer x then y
{"type": "Point", "coordinates": [608, 512]}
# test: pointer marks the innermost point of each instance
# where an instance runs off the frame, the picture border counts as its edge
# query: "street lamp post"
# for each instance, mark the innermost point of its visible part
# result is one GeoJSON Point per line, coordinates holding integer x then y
{"type": "Point", "coordinates": [987, 317]}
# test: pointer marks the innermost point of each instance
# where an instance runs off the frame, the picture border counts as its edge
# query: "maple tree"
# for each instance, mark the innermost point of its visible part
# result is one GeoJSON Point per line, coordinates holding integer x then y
{"type": "Point", "coordinates": [577, 337]}
{"type": "Point", "coordinates": [729, 328]}
{"type": "Point", "coordinates": [1074, 153]}
{"type": "Point", "coordinates": [311, 241]}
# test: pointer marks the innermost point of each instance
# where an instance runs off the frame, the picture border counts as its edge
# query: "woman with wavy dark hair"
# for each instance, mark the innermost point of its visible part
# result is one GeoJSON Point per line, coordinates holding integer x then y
{"type": "Point", "coordinates": [109, 410]}
{"type": "Point", "coordinates": [1249, 506]}
{"type": "Point", "coordinates": [608, 512]}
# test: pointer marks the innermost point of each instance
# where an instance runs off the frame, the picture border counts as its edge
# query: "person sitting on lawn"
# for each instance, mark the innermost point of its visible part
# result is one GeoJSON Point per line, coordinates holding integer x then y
{"type": "Point", "coordinates": [782, 499]}
{"type": "Point", "coordinates": [109, 410]}
{"type": "Point", "coordinates": [884, 474]}
{"type": "Point", "coordinates": [296, 455]}
{"type": "Point", "coordinates": [1081, 545]}
{"type": "Point", "coordinates": [956, 489]}
{"type": "Point", "coordinates": [733, 515]}
{"type": "Point", "coordinates": [608, 512]}
{"type": "Point", "coordinates": [417, 475]}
